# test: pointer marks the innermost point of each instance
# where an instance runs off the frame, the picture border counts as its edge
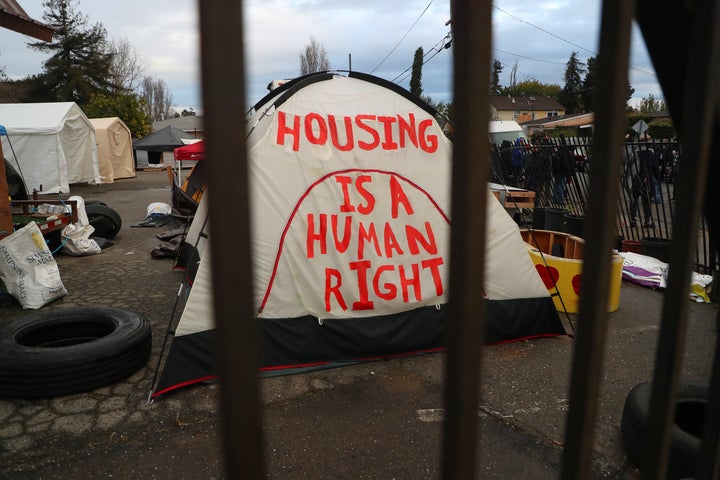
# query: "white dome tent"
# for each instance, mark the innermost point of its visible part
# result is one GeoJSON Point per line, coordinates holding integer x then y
{"type": "Point", "coordinates": [350, 201]}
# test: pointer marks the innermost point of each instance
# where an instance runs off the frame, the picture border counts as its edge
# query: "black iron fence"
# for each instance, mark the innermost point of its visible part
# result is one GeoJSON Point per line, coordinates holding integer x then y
{"type": "Point", "coordinates": [558, 171]}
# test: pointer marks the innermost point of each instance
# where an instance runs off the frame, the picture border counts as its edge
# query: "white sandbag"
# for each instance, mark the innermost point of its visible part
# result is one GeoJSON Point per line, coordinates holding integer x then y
{"type": "Point", "coordinates": [77, 241]}
{"type": "Point", "coordinates": [28, 268]}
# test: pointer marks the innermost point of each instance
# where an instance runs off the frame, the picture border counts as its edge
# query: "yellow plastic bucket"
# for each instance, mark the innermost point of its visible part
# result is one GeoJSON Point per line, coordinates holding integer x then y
{"type": "Point", "coordinates": [560, 265]}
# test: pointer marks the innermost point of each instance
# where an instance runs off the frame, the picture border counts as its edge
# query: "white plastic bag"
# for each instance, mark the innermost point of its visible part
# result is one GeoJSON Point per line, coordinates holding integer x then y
{"type": "Point", "coordinates": [28, 268]}
{"type": "Point", "coordinates": [158, 208]}
{"type": "Point", "coordinates": [81, 213]}
{"type": "Point", "coordinates": [78, 242]}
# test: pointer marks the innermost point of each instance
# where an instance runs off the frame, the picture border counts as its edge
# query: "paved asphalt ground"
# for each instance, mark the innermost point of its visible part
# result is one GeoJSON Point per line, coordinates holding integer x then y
{"type": "Point", "coordinates": [379, 420]}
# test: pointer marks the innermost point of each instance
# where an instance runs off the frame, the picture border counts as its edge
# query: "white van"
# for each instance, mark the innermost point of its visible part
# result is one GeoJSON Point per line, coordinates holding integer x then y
{"type": "Point", "coordinates": [505, 130]}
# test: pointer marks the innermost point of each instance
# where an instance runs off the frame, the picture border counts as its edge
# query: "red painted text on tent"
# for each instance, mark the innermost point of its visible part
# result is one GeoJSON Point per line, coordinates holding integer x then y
{"type": "Point", "coordinates": [359, 242]}
{"type": "Point", "coordinates": [358, 132]}
{"type": "Point", "coordinates": [390, 259]}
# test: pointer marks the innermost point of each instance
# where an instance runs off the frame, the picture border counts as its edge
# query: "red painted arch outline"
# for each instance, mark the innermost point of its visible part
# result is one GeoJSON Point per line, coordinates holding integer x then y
{"type": "Point", "coordinates": [307, 192]}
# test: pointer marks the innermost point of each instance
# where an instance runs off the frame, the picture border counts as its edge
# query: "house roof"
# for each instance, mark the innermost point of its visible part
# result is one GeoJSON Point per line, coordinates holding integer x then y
{"type": "Point", "coordinates": [189, 123]}
{"type": "Point", "coordinates": [13, 17]}
{"type": "Point", "coordinates": [164, 140]}
{"type": "Point", "coordinates": [561, 119]}
{"type": "Point", "coordinates": [502, 102]}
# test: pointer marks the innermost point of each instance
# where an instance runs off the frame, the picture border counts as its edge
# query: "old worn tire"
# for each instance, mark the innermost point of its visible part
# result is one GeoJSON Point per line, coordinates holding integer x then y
{"type": "Point", "coordinates": [71, 350]}
{"type": "Point", "coordinates": [106, 221]}
{"type": "Point", "coordinates": [685, 435]}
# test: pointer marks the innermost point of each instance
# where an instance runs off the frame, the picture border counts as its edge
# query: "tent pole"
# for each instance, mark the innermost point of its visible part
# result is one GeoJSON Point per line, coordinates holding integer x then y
{"type": "Point", "coordinates": [6, 223]}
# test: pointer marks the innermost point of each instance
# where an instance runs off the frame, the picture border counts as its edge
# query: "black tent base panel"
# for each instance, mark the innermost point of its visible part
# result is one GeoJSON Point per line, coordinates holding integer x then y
{"type": "Point", "coordinates": [297, 345]}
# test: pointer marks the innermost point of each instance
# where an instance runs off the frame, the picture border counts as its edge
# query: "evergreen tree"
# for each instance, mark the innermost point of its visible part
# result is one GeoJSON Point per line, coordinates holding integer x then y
{"type": "Point", "coordinates": [80, 60]}
{"type": "Point", "coordinates": [571, 94]}
{"type": "Point", "coordinates": [416, 76]}
{"type": "Point", "coordinates": [495, 72]}
{"type": "Point", "coordinates": [589, 85]}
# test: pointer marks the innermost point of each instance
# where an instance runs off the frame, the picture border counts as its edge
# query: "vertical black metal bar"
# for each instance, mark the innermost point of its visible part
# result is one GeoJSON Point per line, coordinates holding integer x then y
{"type": "Point", "coordinates": [709, 455]}
{"type": "Point", "coordinates": [698, 108]}
{"type": "Point", "coordinates": [592, 327]}
{"type": "Point", "coordinates": [221, 46]}
{"type": "Point", "coordinates": [472, 32]}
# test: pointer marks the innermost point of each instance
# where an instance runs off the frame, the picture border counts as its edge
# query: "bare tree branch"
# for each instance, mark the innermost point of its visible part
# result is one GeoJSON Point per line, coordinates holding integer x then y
{"type": "Point", "coordinates": [158, 99]}
{"type": "Point", "coordinates": [127, 67]}
{"type": "Point", "coordinates": [313, 58]}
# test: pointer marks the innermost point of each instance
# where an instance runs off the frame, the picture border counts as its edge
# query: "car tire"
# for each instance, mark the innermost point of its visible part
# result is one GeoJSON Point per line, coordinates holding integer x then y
{"type": "Point", "coordinates": [685, 435]}
{"type": "Point", "coordinates": [106, 221]}
{"type": "Point", "coordinates": [64, 351]}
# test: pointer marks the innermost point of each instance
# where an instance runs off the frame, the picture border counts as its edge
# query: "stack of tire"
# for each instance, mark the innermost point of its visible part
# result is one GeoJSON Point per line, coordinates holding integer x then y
{"type": "Point", "coordinates": [64, 351]}
{"type": "Point", "coordinates": [106, 221]}
{"type": "Point", "coordinates": [686, 433]}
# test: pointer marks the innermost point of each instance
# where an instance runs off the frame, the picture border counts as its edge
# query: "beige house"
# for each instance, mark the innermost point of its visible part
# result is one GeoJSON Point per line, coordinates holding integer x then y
{"type": "Point", "coordinates": [522, 109]}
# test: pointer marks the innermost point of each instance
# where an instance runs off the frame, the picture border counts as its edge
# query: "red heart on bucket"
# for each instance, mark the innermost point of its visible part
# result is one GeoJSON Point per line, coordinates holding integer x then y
{"type": "Point", "coordinates": [577, 279]}
{"type": "Point", "coordinates": [549, 275]}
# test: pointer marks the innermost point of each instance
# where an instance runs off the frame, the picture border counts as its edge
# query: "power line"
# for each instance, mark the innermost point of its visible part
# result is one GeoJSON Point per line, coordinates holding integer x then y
{"type": "Point", "coordinates": [543, 30]}
{"type": "Point", "coordinates": [403, 37]}
{"type": "Point", "coordinates": [529, 58]}
{"type": "Point", "coordinates": [562, 39]}
{"type": "Point", "coordinates": [441, 45]}
{"type": "Point", "coordinates": [425, 62]}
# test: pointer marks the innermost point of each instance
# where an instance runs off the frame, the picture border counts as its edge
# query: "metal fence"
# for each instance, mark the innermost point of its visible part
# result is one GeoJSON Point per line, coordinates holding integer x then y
{"type": "Point", "coordinates": [558, 170]}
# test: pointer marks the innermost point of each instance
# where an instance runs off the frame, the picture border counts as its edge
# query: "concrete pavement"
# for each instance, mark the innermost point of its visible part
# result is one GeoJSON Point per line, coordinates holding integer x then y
{"type": "Point", "coordinates": [375, 420]}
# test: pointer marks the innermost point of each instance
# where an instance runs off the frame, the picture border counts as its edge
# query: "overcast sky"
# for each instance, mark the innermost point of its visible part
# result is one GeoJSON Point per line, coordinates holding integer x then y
{"type": "Point", "coordinates": [380, 36]}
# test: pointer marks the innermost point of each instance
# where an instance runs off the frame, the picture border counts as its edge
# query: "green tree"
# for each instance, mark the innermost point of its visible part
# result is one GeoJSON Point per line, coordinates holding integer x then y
{"type": "Point", "coordinates": [650, 104]}
{"type": "Point", "coordinates": [495, 72]}
{"type": "Point", "coordinates": [532, 87]}
{"type": "Point", "coordinates": [416, 75]}
{"type": "Point", "coordinates": [128, 107]}
{"type": "Point", "coordinates": [661, 128]}
{"type": "Point", "coordinates": [80, 60]}
{"type": "Point", "coordinates": [589, 84]}
{"type": "Point", "coordinates": [571, 93]}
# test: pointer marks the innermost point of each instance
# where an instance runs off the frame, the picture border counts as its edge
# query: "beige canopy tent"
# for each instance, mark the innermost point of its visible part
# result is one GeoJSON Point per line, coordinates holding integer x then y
{"type": "Point", "coordinates": [114, 146]}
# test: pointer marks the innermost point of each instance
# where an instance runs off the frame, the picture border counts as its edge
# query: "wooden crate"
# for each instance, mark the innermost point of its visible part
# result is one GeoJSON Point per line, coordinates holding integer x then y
{"type": "Point", "coordinates": [515, 198]}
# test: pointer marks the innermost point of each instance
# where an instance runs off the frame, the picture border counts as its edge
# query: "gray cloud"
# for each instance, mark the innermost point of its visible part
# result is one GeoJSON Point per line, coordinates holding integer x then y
{"type": "Point", "coordinates": [540, 36]}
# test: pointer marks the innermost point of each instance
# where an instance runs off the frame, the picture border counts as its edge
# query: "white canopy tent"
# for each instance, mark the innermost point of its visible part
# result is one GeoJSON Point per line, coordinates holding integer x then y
{"type": "Point", "coordinates": [52, 145]}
